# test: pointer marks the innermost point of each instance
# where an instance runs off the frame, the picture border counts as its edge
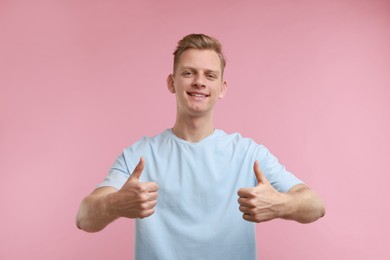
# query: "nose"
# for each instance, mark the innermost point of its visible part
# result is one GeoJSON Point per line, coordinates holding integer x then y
{"type": "Point", "coordinates": [198, 82]}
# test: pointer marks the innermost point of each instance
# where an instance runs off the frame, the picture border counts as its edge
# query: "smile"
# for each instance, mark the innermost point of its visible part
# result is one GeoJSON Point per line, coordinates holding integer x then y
{"type": "Point", "coordinates": [195, 94]}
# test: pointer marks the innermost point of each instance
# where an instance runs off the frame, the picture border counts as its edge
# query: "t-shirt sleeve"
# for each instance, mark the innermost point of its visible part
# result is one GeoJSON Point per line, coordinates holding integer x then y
{"type": "Point", "coordinates": [118, 174]}
{"type": "Point", "coordinates": [276, 173]}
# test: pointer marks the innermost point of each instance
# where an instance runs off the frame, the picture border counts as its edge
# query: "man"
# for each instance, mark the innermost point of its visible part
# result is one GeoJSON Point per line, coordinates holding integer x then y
{"type": "Point", "coordinates": [197, 172]}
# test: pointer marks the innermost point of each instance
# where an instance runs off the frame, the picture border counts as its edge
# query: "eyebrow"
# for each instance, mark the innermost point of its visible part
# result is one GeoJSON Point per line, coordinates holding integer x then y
{"type": "Point", "coordinates": [207, 70]}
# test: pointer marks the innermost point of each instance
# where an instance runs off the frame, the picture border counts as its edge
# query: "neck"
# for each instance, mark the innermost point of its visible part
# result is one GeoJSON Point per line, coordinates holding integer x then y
{"type": "Point", "coordinates": [193, 129]}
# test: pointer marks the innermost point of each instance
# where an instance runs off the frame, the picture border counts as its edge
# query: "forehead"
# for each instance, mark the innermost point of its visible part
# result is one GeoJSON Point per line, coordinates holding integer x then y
{"type": "Point", "coordinates": [200, 59]}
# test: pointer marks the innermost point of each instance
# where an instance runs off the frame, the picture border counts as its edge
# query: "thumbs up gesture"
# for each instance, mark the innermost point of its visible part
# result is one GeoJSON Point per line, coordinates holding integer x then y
{"type": "Point", "coordinates": [260, 203]}
{"type": "Point", "coordinates": [135, 199]}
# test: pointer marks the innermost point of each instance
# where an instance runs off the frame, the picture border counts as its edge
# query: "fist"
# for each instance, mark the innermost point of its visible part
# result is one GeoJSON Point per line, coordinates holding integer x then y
{"type": "Point", "coordinates": [260, 203]}
{"type": "Point", "coordinates": [136, 199]}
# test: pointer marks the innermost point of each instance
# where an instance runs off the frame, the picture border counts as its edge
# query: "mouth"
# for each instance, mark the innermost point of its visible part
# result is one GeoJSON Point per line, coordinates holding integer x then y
{"type": "Point", "coordinates": [197, 94]}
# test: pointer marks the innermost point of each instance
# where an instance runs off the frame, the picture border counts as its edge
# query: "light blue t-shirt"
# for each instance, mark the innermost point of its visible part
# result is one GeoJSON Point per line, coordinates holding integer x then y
{"type": "Point", "coordinates": [197, 213]}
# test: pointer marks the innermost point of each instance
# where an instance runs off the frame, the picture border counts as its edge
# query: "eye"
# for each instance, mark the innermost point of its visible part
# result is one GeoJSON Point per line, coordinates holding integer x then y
{"type": "Point", "coordinates": [187, 73]}
{"type": "Point", "coordinates": [212, 76]}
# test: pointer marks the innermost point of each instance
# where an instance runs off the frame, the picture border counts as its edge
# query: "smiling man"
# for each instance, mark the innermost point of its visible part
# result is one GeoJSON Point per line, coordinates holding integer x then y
{"type": "Point", "coordinates": [194, 191]}
{"type": "Point", "coordinates": [198, 84]}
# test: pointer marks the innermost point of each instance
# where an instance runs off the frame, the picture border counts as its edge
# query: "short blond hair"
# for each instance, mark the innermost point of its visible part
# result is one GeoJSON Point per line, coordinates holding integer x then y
{"type": "Point", "coordinates": [200, 42]}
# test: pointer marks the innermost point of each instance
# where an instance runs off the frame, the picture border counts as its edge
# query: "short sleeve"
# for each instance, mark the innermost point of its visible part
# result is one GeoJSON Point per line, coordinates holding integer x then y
{"type": "Point", "coordinates": [118, 174]}
{"type": "Point", "coordinates": [276, 173]}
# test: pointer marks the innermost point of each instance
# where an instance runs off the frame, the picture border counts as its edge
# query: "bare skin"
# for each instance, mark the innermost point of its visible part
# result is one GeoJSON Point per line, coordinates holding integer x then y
{"type": "Point", "coordinates": [134, 200]}
{"type": "Point", "coordinates": [263, 203]}
{"type": "Point", "coordinates": [197, 83]}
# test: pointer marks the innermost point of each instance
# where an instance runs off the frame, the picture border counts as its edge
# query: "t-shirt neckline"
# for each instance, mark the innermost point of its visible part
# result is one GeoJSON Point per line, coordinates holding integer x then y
{"type": "Point", "coordinates": [172, 134]}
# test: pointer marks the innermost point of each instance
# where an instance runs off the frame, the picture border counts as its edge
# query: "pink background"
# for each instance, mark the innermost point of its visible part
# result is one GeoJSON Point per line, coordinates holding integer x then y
{"type": "Point", "coordinates": [80, 80]}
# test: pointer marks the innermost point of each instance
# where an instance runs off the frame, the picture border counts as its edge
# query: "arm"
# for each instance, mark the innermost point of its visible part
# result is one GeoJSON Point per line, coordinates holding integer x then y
{"type": "Point", "coordinates": [263, 202]}
{"type": "Point", "coordinates": [95, 212]}
{"type": "Point", "coordinates": [134, 200]}
{"type": "Point", "coordinates": [302, 205]}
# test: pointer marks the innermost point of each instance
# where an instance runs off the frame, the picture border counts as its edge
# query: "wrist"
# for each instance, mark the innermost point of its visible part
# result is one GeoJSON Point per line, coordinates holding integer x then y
{"type": "Point", "coordinates": [108, 205]}
{"type": "Point", "coordinates": [287, 206]}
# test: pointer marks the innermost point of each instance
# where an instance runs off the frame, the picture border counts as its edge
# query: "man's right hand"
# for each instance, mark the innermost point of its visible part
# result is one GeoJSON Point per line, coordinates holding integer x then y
{"type": "Point", "coordinates": [135, 199]}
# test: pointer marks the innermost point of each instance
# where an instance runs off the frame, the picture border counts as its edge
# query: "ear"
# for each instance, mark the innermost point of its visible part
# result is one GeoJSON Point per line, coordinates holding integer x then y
{"type": "Point", "coordinates": [223, 90]}
{"type": "Point", "coordinates": [170, 83]}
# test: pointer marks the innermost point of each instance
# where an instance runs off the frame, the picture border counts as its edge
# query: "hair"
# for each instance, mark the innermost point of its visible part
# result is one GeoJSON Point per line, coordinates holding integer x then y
{"type": "Point", "coordinates": [200, 42]}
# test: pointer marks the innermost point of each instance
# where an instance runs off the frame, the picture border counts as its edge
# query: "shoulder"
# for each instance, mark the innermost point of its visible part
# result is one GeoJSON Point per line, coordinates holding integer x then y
{"type": "Point", "coordinates": [242, 144]}
{"type": "Point", "coordinates": [238, 139]}
{"type": "Point", "coordinates": [149, 141]}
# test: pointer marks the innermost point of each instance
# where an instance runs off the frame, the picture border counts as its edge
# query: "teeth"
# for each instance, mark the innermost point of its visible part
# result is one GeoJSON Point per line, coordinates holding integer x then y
{"type": "Point", "coordinates": [197, 95]}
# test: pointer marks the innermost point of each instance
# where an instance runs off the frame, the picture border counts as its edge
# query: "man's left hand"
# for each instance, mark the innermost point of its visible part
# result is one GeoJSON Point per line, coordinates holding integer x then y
{"type": "Point", "coordinates": [263, 202]}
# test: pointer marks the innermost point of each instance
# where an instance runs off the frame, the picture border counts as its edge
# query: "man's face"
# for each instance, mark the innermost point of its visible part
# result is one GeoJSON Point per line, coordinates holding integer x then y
{"type": "Point", "coordinates": [197, 82]}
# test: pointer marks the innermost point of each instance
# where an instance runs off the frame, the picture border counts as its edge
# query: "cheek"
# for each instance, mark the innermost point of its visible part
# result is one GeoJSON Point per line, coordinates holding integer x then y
{"type": "Point", "coordinates": [180, 85]}
{"type": "Point", "coordinates": [217, 90]}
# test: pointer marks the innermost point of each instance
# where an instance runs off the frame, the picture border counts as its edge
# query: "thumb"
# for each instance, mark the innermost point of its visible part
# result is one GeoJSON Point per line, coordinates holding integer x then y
{"type": "Point", "coordinates": [138, 170]}
{"type": "Point", "coordinates": [259, 174]}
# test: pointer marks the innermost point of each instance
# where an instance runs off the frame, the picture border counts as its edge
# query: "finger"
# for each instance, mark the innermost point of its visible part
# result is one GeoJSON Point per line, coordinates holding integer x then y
{"type": "Point", "coordinates": [147, 196]}
{"type": "Point", "coordinates": [247, 217]}
{"type": "Point", "coordinates": [259, 174]}
{"type": "Point", "coordinates": [244, 192]}
{"type": "Point", "coordinates": [146, 213]}
{"type": "Point", "coordinates": [244, 202]}
{"type": "Point", "coordinates": [150, 186]}
{"type": "Point", "coordinates": [245, 210]}
{"type": "Point", "coordinates": [152, 204]}
{"type": "Point", "coordinates": [138, 170]}
{"type": "Point", "coordinates": [147, 205]}
{"type": "Point", "coordinates": [153, 196]}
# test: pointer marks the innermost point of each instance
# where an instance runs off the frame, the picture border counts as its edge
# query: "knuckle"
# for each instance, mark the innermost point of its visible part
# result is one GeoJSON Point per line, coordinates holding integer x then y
{"type": "Point", "coordinates": [250, 202]}
{"type": "Point", "coordinates": [141, 188]}
{"type": "Point", "coordinates": [144, 206]}
{"type": "Point", "coordinates": [246, 217]}
{"type": "Point", "coordinates": [252, 193]}
{"type": "Point", "coordinates": [146, 213]}
{"type": "Point", "coordinates": [249, 210]}
{"type": "Point", "coordinates": [152, 203]}
{"type": "Point", "coordinates": [142, 196]}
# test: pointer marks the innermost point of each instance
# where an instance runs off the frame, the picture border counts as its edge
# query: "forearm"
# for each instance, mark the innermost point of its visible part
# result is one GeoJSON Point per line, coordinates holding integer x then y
{"type": "Point", "coordinates": [302, 205]}
{"type": "Point", "coordinates": [94, 213]}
